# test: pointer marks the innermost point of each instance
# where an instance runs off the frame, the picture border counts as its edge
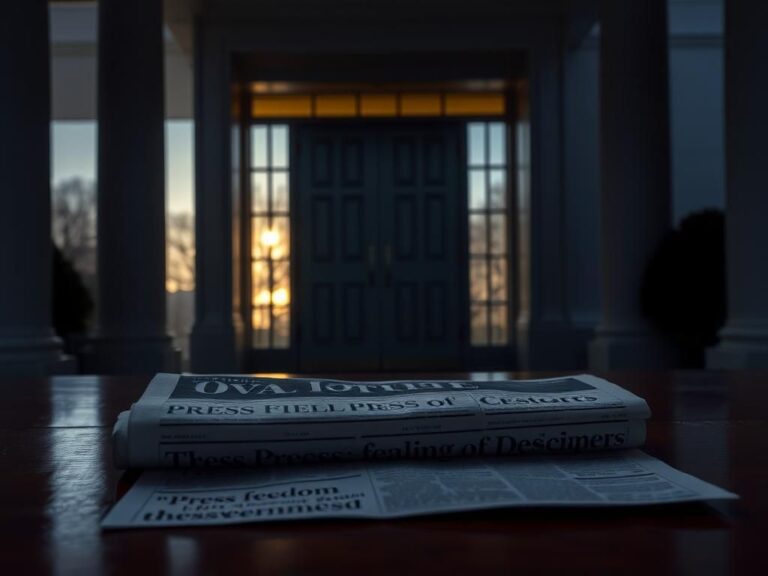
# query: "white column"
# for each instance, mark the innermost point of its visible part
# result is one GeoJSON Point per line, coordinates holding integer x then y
{"type": "Point", "coordinates": [131, 336]}
{"type": "Point", "coordinates": [545, 338]}
{"type": "Point", "coordinates": [216, 339]}
{"type": "Point", "coordinates": [635, 175]}
{"type": "Point", "coordinates": [744, 340]}
{"type": "Point", "coordinates": [28, 345]}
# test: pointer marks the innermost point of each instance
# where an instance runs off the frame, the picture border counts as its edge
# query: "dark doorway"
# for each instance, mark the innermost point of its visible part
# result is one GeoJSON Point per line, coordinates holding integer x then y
{"type": "Point", "coordinates": [380, 246]}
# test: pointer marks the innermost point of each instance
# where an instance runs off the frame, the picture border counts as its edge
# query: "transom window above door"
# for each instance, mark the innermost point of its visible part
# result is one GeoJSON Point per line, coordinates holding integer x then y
{"type": "Point", "coordinates": [275, 100]}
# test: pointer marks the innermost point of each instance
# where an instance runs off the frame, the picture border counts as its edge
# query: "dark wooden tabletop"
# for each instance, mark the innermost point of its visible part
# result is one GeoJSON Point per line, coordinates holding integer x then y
{"type": "Point", "coordinates": [57, 480]}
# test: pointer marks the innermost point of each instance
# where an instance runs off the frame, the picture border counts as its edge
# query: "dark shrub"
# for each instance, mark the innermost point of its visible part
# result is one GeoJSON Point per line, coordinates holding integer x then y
{"type": "Point", "coordinates": [683, 293]}
{"type": "Point", "coordinates": [72, 304]}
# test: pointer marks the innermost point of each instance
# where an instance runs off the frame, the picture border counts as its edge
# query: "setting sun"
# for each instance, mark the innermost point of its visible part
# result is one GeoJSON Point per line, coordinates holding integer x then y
{"type": "Point", "coordinates": [270, 238]}
{"type": "Point", "coordinates": [280, 297]}
{"type": "Point", "coordinates": [263, 298]}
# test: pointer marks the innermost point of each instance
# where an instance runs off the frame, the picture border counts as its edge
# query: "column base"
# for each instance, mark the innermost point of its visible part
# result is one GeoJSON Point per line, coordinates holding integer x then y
{"type": "Point", "coordinates": [740, 349]}
{"type": "Point", "coordinates": [34, 357]}
{"type": "Point", "coordinates": [613, 350]}
{"type": "Point", "coordinates": [109, 355]}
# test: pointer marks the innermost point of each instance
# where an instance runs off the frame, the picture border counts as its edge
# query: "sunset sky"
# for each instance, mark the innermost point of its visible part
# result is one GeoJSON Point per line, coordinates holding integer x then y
{"type": "Point", "coordinates": [73, 154]}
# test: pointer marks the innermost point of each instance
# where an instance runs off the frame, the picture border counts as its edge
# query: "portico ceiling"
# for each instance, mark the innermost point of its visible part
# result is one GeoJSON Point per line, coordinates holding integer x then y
{"type": "Point", "coordinates": [74, 35]}
{"type": "Point", "coordinates": [73, 26]}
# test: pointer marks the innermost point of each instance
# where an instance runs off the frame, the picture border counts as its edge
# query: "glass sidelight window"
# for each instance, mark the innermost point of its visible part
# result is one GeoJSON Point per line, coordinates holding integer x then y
{"type": "Point", "coordinates": [488, 224]}
{"type": "Point", "coordinates": [270, 236]}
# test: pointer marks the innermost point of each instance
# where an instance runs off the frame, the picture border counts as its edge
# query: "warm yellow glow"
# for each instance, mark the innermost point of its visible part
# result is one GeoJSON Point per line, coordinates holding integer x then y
{"type": "Point", "coordinates": [378, 105]}
{"type": "Point", "coordinates": [420, 105]}
{"type": "Point", "coordinates": [260, 319]}
{"type": "Point", "coordinates": [335, 105]}
{"type": "Point", "coordinates": [263, 298]}
{"type": "Point", "coordinates": [381, 104]}
{"type": "Point", "coordinates": [270, 238]}
{"type": "Point", "coordinates": [284, 106]}
{"type": "Point", "coordinates": [280, 297]}
{"type": "Point", "coordinates": [461, 104]}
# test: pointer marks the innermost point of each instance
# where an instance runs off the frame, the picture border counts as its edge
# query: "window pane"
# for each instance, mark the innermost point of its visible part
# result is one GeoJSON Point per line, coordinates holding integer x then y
{"type": "Point", "coordinates": [335, 105]}
{"type": "Point", "coordinates": [420, 105]}
{"type": "Point", "coordinates": [476, 144]}
{"type": "Point", "coordinates": [261, 237]}
{"type": "Point", "coordinates": [477, 186]}
{"type": "Point", "coordinates": [474, 103]}
{"type": "Point", "coordinates": [259, 192]}
{"type": "Point", "coordinates": [478, 321]}
{"type": "Point", "coordinates": [258, 147]}
{"type": "Point", "coordinates": [498, 143]}
{"type": "Point", "coordinates": [260, 325]}
{"type": "Point", "coordinates": [498, 183]}
{"type": "Point", "coordinates": [280, 201]}
{"type": "Point", "coordinates": [281, 106]}
{"type": "Point", "coordinates": [281, 327]}
{"type": "Point", "coordinates": [478, 280]}
{"type": "Point", "coordinates": [281, 284]}
{"type": "Point", "coordinates": [260, 283]}
{"type": "Point", "coordinates": [498, 234]}
{"type": "Point", "coordinates": [499, 325]}
{"type": "Point", "coordinates": [478, 237]}
{"type": "Point", "coordinates": [498, 270]}
{"type": "Point", "coordinates": [280, 239]}
{"type": "Point", "coordinates": [378, 105]}
{"type": "Point", "coordinates": [279, 147]}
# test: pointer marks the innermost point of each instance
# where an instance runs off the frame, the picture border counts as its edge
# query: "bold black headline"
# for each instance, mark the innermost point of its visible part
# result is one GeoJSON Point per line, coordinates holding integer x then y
{"type": "Point", "coordinates": [556, 442]}
{"type": "Point", "coordinates": [242, 388]}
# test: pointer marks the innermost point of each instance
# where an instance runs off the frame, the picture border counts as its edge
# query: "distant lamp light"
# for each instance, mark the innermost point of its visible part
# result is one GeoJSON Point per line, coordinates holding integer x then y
{"type": "Point", "coordinates": [270, 238]}
{"type": "Point", "coordinates": [280, 297]}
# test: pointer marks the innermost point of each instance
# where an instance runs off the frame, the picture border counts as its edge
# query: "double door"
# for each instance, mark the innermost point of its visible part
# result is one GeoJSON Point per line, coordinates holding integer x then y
{"type": "Point", "coordinates": [379, 247]}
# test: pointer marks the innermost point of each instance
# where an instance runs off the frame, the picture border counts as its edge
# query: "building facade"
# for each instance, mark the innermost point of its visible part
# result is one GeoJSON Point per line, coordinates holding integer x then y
{"type": "Point", "coordinates": [405, 185]}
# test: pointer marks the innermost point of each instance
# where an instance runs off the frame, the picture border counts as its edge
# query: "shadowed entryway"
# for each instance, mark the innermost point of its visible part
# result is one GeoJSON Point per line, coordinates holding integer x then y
{"type": "Point", "coordinates": [380, 246]}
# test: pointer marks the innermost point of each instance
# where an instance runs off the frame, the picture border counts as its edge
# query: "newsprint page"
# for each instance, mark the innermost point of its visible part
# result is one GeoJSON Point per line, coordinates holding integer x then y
{"type": "Point", "coordinates": [197, 497]}
{"type": "Point", "coordinates": [232, 449]}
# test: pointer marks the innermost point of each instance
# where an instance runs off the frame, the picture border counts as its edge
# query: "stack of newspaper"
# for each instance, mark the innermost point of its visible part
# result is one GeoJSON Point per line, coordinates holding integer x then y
{"type": "Point", "coordinates": [230, 449]}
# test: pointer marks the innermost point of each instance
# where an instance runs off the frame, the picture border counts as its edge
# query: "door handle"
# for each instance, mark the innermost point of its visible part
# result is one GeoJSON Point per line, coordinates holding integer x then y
{"type": "Point", "coordinates": [371, 264]}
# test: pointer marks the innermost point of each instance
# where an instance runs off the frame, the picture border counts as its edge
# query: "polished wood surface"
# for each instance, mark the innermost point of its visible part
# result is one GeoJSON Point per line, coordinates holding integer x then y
{"type": "Point", "coordinates": [57, 480]}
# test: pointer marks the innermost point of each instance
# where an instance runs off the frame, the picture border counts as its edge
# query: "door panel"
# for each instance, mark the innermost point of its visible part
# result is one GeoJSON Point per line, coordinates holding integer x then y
{"type": "Point", "coordinates": [419, 180]}
{"type": "Point", "coordinates": [379, 285]}
{"type": "Point", "coordinates": [338, 304]}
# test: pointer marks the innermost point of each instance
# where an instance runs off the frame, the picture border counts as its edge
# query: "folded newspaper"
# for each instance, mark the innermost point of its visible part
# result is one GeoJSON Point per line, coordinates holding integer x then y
{"type": "Point", "coordinates": [383, 449]}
